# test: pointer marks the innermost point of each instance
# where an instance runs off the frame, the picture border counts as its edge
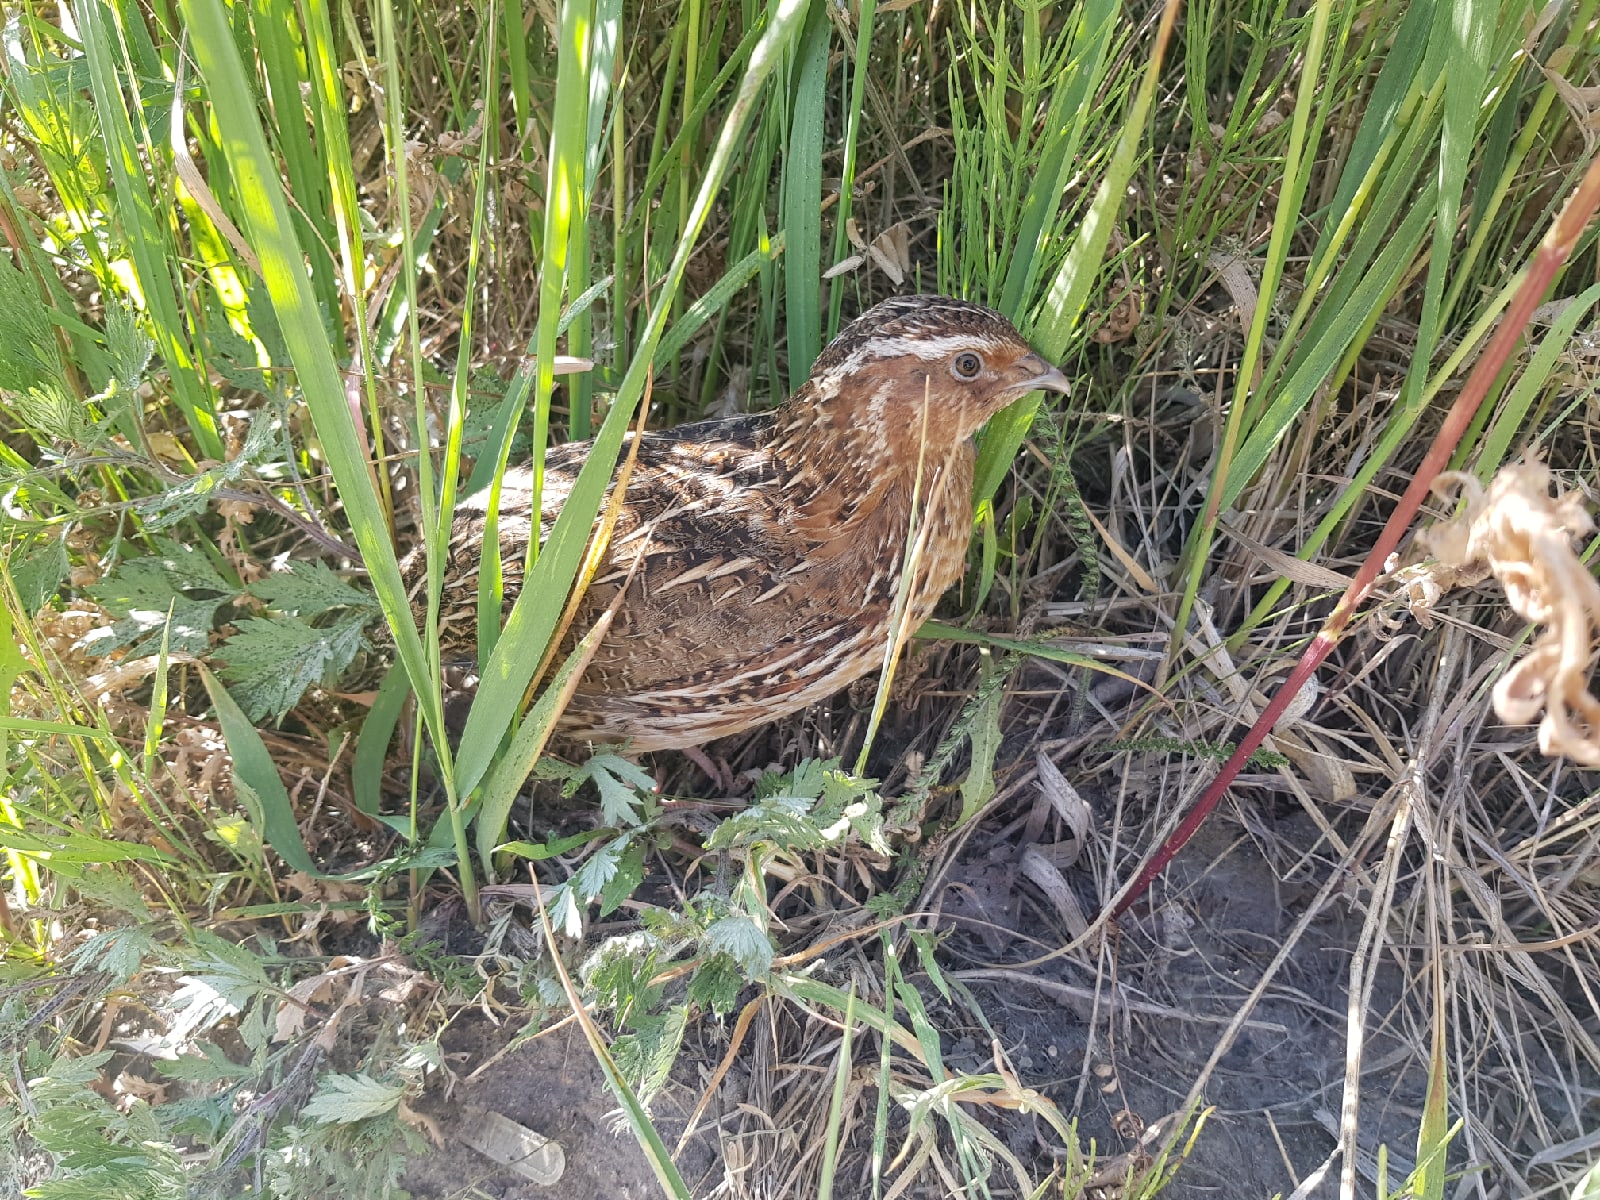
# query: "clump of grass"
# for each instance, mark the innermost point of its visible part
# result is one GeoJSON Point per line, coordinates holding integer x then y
{"type": "Point", "coordinates": [281, 287]}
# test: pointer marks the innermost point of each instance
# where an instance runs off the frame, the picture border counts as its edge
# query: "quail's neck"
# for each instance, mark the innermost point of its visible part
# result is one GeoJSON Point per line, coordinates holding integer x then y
{"type": "Point", "coordinates": [843, 461]}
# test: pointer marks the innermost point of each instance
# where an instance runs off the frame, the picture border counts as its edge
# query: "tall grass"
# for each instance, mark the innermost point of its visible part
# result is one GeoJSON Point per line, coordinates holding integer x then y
{"type": "Point", "coordinates": [307, 261]}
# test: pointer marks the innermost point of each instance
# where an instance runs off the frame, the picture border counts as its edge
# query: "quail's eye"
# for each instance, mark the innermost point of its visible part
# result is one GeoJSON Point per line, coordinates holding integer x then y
{"type": "Point", "coordinates": [966, 365]}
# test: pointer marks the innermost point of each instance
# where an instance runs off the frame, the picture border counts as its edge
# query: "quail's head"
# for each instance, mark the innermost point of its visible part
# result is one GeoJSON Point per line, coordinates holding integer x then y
{"type": "Point", "coordinates": [958, 362]}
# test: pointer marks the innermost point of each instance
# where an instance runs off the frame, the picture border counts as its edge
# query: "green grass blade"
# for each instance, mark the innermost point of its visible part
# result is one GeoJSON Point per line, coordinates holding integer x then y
{"type": "Point", "coordinates": [563, 220]}
{"type": "Point", "coordinates": [510, 668]}
{"type": "Point", "coordinates": [1069, 289]}
{"type": "Point", "coordinates": [156, 717]}
{"type": "Point", "coordinates": [841, 1083]}
{"type": "Point", "coordinates": [580, 342]}
{"type": "Point", "coordinates": [861, 59]}
{"type": "Point", "coordinates": [517, 34]}
{"type": "Point", "coordinates": [718, 295]}
{"type": "Point", "coordinates": [256, 780]}
{"type": "Point", "coordinates": [1291, 195]}
{"type": "Point", "coordinates": [328, 101]}
{"type": "Point", "coordinates": [279, 50]}
{"type": "Point", "coordinates": [1433, 1134]}
{"type": "Point", "coordinates": [148, 244]}
{"type": "Point", "coordinates": [1393, 434]}
{"type": "Point", "coordinates": [455, 417]}
{"type": "Point", "coordinates": [1539, 375]}
{"type": "Point", "coordinates": [511, 770]}
{"type": "Point", "coordinates": [271, 235]}
{"type": "Point", "coordinates": [802, 198]}
{"type": "Point", "coordinates": [372, 743]}
{"type": "Point", "coordinates": [1066, 125]}
{"type": "Point", "coordinates": [1371, 292]}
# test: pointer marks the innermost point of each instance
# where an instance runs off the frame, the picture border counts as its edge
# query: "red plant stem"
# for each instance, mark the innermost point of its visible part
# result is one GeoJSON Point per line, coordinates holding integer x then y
{"type": "Point", "coordinates": [1553, 251]}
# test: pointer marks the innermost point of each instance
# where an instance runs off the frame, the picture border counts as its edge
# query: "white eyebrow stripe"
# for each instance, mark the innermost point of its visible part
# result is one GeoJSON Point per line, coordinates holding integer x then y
{"type": "Point", "coordinates": [929, 349]}
{"type": "Point", "coordinates": [924, 349]}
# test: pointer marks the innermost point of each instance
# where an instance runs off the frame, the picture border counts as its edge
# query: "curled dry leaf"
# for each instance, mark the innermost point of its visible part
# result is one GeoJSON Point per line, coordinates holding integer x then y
{"type": "Point", "coordinates": [890, 251]}
{"type": "Point", "coordinates": [422, 1121]}
{"type": "Point", "coordinates": [1119, 323]}
{"type": "Point", "coordinates": [844, 266]}
{"type": "Point", "coordinates": [295, 1011]}
{"type": "Point", "coordinates": [1063, 798]}
{"type": "Point", "coordinates": [1042, 865]}
{"type": "Point", "coordinates": [1527, 538]}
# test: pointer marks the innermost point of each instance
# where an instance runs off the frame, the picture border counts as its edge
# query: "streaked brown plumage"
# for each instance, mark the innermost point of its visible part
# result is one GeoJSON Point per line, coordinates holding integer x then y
{"type": "Point", "coordinates": [774, 542]}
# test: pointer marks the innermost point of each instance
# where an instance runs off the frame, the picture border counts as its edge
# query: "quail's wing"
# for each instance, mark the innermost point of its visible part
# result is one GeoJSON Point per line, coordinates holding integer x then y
{"type": "Point", "coordinates": [519, 515]}
{"type": "Point", "coordinates": [707, 536]}
{"type": "Point", "coordinates": [707, 518]}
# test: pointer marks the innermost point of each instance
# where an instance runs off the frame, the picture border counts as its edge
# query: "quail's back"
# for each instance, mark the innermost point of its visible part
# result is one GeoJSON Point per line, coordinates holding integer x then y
{"type": "Point", "coordinates": [770, 548]}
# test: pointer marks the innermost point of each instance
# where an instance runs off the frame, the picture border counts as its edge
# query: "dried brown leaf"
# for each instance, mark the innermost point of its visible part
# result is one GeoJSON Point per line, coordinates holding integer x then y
{"type": "Point", "coordinates": [1528, 538]}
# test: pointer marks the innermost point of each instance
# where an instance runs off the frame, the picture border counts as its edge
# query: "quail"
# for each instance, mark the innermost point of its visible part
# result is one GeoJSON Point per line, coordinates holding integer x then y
{"type": "Point", "coordinates": [771, 546]}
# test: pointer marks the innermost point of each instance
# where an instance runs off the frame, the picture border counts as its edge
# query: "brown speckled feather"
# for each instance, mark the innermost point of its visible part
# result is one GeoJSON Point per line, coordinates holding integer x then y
{"type": "Point", "coordinates": [773, 544]}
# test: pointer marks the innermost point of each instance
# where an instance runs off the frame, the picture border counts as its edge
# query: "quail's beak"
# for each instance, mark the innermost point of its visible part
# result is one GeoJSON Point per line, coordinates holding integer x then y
{"type": "Point", "coordinates": [1040, 377]}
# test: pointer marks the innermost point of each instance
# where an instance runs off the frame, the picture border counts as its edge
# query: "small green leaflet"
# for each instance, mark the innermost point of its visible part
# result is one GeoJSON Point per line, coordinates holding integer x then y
{"type": "Point", "coordinates": [807, 780]}
{"type": "Point", "coordinates": [307, 589]}
{"type": "Point", "coordinates": [814, 805]}
{"type": "Point", "coordinates": [230, 353]}
{"type": "Point", "coordinates": [716, 984]}
{"type": "Point", "coordinates": [978, 786]}
{"type": "Point", "coordinates": [629, 874]}
{"type": "Point", "coordinates": [610, 874]}
{"type": "Point", "coordinates": [120, 951]}
{"type": "Point", "coordinates": [345, 1099]}
{"type": "Point", "coordinates": [565, 915]}
{"type": "Point", "coordinates": [272, 661]}
{"type": "Point", "coordinates": [620, 783]}
{"type": "Point", "coordinates": [37, 568]}
{"type": "Point", "coordinates": [28, 351]}
{"type": "Point", "coordinates": [597, 870]}
{"type": "Point", "coordinates": [551, 847]}
{"type": "Point", "coordinates": [645, 1056]}
{"type": "Point", "coordinates": [51, 410]}
{"type": "Point", "coordinates": [167, 508]}
{"type": "Point", "coordinates": [142, 590]}
{"type": "Point", "coordinates": [739, 937]}
{"type": "Point", "coordinates": [205, 1063]}
{"type": "Point", "coordinates": [221, 982]}
{"type": "Point", "coordinates": [129, 350]}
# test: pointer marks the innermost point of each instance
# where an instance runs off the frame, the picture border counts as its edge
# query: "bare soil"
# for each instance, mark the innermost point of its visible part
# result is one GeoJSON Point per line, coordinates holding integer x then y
{"type": "Point", "coordinates": [548, 1084]}
{"type": "Point", "coordinates": [1275, 1094]}
{"type": "Point", "coordinates": [1182, 969]}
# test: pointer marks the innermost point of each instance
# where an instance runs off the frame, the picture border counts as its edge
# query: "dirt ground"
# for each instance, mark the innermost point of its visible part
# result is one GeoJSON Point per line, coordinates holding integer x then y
{"type": "Point", "coordinates": [1276, 1093]}
{"type": "Point", "coordinates": [550, 1085]}
{"type": "Point", "coordinates": [1222, 914]}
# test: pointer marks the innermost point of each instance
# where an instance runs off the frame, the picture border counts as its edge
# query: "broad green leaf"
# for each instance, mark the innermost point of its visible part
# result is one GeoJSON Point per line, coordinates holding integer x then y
{"type": "Point", "coordinates": [37, 567]}
{"type": "Point", "coordinates": [271, 661]}
{"type": "Point", "coordinates": [345, 1099]}
{"type": "Point", "coordinates": [140, 594]}
{"type": "Point", "coordinates": [309, 588]}
{"type": "Point", "coordinates": [256, 781]}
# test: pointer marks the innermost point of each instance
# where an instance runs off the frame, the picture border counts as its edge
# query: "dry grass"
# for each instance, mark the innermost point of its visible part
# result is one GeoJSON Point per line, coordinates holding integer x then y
{"type": "Point", "coordinates": [1406, 875]}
